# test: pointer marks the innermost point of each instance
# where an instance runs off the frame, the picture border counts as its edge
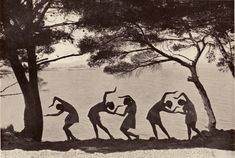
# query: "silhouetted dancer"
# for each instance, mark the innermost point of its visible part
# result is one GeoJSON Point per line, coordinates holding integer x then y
{"type": "Point", "coordinates": [101, 107]}
{"type": "Point", "coordinates": [129, 121]}
{"type": "Point", "coordinates": [70, 119]}
{"type": "Point", "coordinates": [190, 114]}
{"type": "Point", "coordinates": [154, 113]}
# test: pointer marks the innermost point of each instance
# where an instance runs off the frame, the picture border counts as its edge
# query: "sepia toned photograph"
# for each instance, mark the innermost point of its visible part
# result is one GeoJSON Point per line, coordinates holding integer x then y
{"type": "Point", "coordinates": [117, 78]}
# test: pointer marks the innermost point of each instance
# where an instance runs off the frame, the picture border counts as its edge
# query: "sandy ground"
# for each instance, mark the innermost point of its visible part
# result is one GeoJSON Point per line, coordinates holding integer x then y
{"type": "Point", "coordinates": [214, 144]}
{"type": "Point", "coordinates": [173, 153]}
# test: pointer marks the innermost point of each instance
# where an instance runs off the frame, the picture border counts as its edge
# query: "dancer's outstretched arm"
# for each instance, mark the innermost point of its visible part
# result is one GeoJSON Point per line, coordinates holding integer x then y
{"type": "Point", "coordinates": [108, 92]}
{"type": "Point", "coordinates": [59, 100]}
{"type": "Point", "coordinates": [56, 114]}
{"type": "Point", "coordinates": [182, 94]}
{"type": "Point", "coordinates": [184, 112]}
{"type": "Point", "coordinates": [113, 112]}
{"type": "Point", "coordinates": [180, 112]}
{"type": "Point", "coordinates": [167, 93]}
{"type": "Point", "coordinates": [169, 111]}
{"type": "Point", "coordinates": [125, 112]}
{"type": "Point", "coordinates": [127, 96]}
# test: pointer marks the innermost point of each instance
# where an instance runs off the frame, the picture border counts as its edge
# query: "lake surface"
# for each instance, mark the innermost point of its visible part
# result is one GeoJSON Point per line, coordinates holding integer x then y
{"type": "Point", "coordinates": [83, 88]}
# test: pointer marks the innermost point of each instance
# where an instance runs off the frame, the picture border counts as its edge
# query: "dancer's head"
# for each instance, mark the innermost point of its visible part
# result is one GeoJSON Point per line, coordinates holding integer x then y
{"type": "Point", "coordinates": [168, 104]}
{"type": "Point", "coordinates": [110, 105]}
{"type": "Point", "coordinates": [181, 102]}
{"type": "Point", "coordinates": [59, 107]}
{"type": "Point", "coordinates": [127, 101]}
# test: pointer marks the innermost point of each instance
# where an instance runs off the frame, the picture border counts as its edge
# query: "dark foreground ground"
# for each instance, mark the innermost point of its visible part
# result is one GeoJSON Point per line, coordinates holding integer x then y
{"type": "Point", "coordinates": [220, 139]}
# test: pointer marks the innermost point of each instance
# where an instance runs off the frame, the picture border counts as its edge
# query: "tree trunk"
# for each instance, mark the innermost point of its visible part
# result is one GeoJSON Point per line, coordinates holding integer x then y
{"type": "Point", "coordinates": [33, 82]}
{"type": "Point", "coordinates": [33, 120]}
{"type": "Point", "coordinates": [207, 105]}
{"type": "Point", "coordinates": [36, 109]}
{"type": "Point", "coordinates": [32, 113]}
{"type": "Point", "coordinates": [231, 67]}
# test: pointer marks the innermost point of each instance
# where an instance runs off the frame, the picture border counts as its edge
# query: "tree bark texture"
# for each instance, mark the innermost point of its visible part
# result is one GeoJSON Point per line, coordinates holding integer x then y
{"type": "Point", "coordinates": [33, 120]}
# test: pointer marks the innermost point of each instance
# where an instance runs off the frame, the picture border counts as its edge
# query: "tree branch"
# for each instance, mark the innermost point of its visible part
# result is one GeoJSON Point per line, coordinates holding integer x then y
{"type": "Point", "coordinates": [61, 24]}
{"type": "Point", "coordinates": [174, 39]}
{"type": "Point", "coordinates": [40, 60]}
{"type": "Point", "coordinates": [166, 55]}
{"type": "Point", "coordinates": [150, 60]}
{"type": "Point", "coordinates": [145, 40]}
{"type": "Point", "coordinates": [125, 53]}
{"type": "Point", "coordinates": [136, 50]}
{"type": "Point", "coordinates": [223, 51]}
{"type": "Point", "coordinates": [183, 56]}
{"type": "Point", "coordinates": [155, 62]}
{"type": "Point", "coordinates": [147, 64]}
{"type": "Point", "coordinates": [7, 95]}
{"type": "Point", "coordinates": [110, 40]}
{"type": "Point", "coordinates": [199, 51]}
{"type": "Point", "coordinates": [8, 87]}
{"type": "Point", "coordinates": [42, 15]}
{"type": "Point", "coordinates": [59, 58]}
{"type": "Point", "coordinates": [230, 47]}
{"type": "Point", "coordinates": [178, 54]}
{"type": "Point", "coordinates": [194, 41]}
{"type": "Point", "coordinates": [141, 30]}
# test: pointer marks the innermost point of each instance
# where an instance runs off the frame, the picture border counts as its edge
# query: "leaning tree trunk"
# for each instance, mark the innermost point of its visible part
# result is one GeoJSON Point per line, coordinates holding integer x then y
{"type": "Point", "coordinates": [231, 67]}
{"type": "Point", "coordinates": [207, 105]}
{"type": "Point", "coordinates": [33, 113]}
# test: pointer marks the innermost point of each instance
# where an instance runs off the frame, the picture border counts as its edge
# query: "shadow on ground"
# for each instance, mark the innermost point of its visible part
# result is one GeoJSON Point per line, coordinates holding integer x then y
{"type": "Point", "coordinates": [219, 139]}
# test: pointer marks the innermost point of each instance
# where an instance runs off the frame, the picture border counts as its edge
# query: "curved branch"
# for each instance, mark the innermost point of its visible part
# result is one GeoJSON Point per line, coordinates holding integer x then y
{"type": "Point", "coordinates": [166, 55]}
{"type": "Point", "coordinates": [199, 52]}
{"type": "Point", "coordinates": [183, 57]}
{"type": "Point", "coordinates": [146, 41]}
{"type": "Point", "coordinates": [8, 87]}
{"type": "Point", "coordinates": [141, 30]}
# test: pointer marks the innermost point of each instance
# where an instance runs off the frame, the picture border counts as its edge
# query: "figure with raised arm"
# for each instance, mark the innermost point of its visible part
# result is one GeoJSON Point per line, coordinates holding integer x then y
{"type": "Point", "coordinates": [129, 121]}
{"type": "Point", "coordinates": [70, 119]}
{"type": "Point", "coordinates": [94, 116]}
{"type": "Point", "coordinates": [153, 115]}
{"type": "Point", "coordinates": [190, 114]}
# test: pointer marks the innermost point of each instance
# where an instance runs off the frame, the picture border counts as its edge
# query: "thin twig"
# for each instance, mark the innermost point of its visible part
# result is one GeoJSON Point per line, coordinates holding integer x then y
{"type": "Point", "coordinates": [59, 58]}
{"type": "Point", "coordinates": [8, 87]}
{"type": "Point", "coordinates": [7, 95]}
{"type": "Point", "coordinates": [137, 50]}
{"type": "Point", "coordinates": [147, 64]}
{"type": "Point", "coordinates": [61, 24]}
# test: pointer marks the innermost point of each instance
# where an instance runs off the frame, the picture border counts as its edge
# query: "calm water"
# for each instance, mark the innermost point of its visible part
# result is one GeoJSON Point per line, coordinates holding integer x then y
{"type": "Point", "coordinates": [84, 88]}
